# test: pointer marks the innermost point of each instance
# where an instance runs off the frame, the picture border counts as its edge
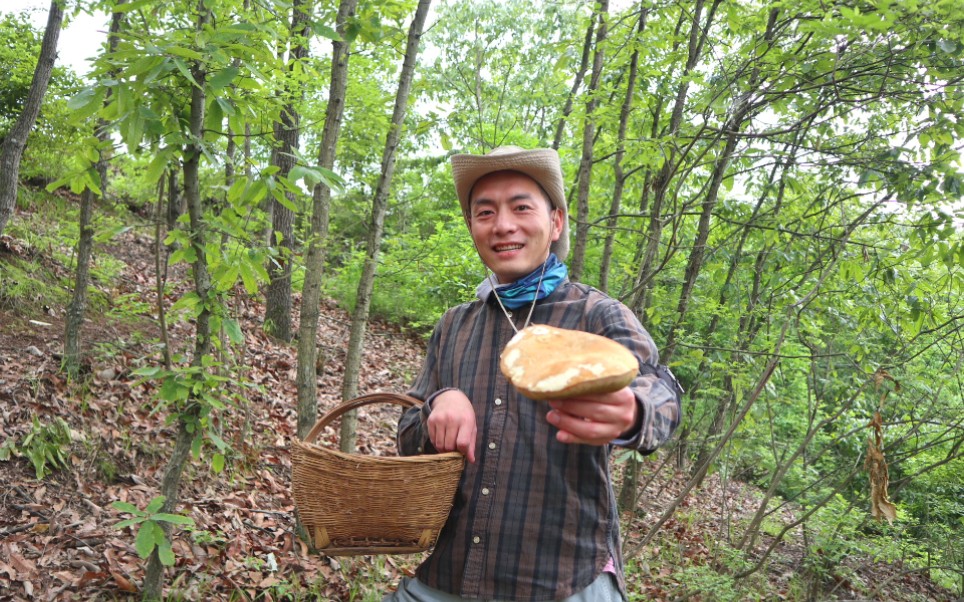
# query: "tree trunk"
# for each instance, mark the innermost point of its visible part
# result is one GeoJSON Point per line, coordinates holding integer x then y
{"type": "Point", "coordinates": [175, 202]}
{"type": "Point", "coordinates": [588, 135]}
{"type": "Point", "coordinates": [627, 492]}
{"type": "Point", "coordinates": [78, 302]}
{"type": "Point", "coordinates": [315, 257]}
{"type": "Point", "coordinates": [277, 313]}
{"type": "Point", "coordinates": [695, 264]}
{"type": "Point", "coordinates": [662, 181]}
{"type": "Point", "coordinates": [746, 333]}
{"type": "Point", "coordinates": [160, 275]}
{"type": "Point", "coordinates": [359, 318]}
{"type": "Point", "coordinates": [11, 150]}
{"type": "Point", "coordinates": [187, 421]}
{"type": "Point", "coordinates": [620, 177]}
{"type": "Point", "coordinates": [576, 82]}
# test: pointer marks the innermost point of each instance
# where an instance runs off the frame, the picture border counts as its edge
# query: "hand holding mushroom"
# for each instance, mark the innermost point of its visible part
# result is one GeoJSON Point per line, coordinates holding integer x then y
{"type": "Point", "coordinates": [583, 376]}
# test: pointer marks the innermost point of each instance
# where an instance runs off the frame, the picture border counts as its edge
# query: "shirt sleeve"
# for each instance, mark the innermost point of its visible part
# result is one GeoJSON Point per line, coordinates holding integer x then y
{"type": "Point", "coordinates": [657, 392]}
{"type": "Point", "coordinates": [412, 436]}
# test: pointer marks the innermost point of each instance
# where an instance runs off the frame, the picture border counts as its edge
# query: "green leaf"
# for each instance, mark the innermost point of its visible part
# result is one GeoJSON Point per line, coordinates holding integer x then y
{"type": "Point", "coordinates": [222, 78]}
{"type": "Point", "coordinates": [217, 463]}
{"type": "Point", "coordinates": [112, 233]}
{"type": "Point", "coordinates": [172, 390]}
{"type": "Point", "coordinates": [155, 504]}
{"type": "Point", "coordinates": [187, 53]}
{"type": "Point", "coordinates": [257, 192]}
{"type": "Point", "coordinates": [176, 519]}
{"type": "Point", "coordinates": [331, 179]}
{"type": "Point", "coordinates": [165, 553]}
{"type": "Point", "coordinates": [186, 254]}
{"type": "Point", "coordinates": [227, 278]}
{"type": "Point", "coordinates": [82, 99]}
{"type": "Point", "coordinates": [133, 130]}
{"type": "Point", "coordinates": [185, 71]}
{"type": "Point", "coordinates": [144, 541]}
{"type": "Point", "coordinates": [126, 507]}
{"type": "Point", "coordinates": [226, 107]}
{"type": "Point", "coordinates": [158, 164]}
{"type": "Point", "coordinates": [91, 179]}
{"type": "Point", "coordinates": [325, 31]}
{"type": "Point", "coordinates": [214, 119]}
{"type": "Point", "coordinates": [280, 196]}
{"type": "Point", "coordinates": [148, 372]}
{"type": "Point", "coordinates": [233, 328]}
{"type": "Point", "coordinates": [236, 190]}
{"type": "Point", "coordinates": [298, 172]}
{"type": "Point", "coordinates": [130, 6]}
{"type": "Point", "coordinates": [248, 276]}
{"type": "Point", "coordinates": [189, 301]}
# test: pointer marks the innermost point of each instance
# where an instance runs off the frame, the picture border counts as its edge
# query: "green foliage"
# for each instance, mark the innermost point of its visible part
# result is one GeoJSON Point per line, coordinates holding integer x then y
{"type": "Point", "coordinates": [150, 533]}
{"type": "Point", "coordinates": [40, 274]}
{"type": "Point", "coordinates": [194, 394]}
{"type": "Point", "coordinates": [27, 284]}
{"type": "Point", "coordinates": [47, 446]}
{"type": "Point", "coordinates": [53, 135]}
{"type": "Point", "coordinates": [419, 277]}
{"type": "Point", "coordinates": [833, 242]}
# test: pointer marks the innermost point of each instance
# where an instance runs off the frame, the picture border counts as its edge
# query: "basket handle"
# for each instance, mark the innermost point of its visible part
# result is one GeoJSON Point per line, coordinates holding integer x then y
{"type": "Point", "coordinates": [405, 401]}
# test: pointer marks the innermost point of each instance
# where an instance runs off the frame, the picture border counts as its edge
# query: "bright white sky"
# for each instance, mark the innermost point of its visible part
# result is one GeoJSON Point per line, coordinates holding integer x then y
{"type": "Point", "coordinates": [81, 39]}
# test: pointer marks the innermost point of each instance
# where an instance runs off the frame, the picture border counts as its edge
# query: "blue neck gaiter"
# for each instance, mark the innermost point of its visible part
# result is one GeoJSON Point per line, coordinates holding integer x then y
{"type": "Point", "coordinates": [523, 291]}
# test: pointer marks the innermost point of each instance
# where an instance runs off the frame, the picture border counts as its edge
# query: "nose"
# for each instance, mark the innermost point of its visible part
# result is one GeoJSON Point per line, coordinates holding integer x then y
{"type": "Point", "coordinates": [504, 222]}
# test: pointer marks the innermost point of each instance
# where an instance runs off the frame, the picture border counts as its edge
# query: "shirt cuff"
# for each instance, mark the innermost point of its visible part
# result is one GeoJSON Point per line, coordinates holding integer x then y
{"type": "Point", "coordinates": [635, 433]}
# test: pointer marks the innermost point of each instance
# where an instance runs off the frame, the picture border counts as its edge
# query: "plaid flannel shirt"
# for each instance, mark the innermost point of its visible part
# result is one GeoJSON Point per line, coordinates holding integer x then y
{"type": "Point", "coordinates": [533, 519]}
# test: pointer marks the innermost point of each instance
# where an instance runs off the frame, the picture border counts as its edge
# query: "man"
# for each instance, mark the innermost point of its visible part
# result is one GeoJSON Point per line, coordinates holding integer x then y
{"type": "Point", "coordinates": [535, 515]}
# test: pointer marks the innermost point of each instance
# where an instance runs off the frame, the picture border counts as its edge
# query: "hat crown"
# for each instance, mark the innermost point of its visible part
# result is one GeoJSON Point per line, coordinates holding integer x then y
{"type": "Point", "coordinates": [504, 150]}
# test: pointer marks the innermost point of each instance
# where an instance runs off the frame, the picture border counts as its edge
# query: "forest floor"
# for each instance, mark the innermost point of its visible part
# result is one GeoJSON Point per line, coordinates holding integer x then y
{"type": "Point", "coordinates": [57, 534]}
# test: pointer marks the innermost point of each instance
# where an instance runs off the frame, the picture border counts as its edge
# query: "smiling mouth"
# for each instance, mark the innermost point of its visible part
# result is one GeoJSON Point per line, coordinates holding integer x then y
{"type": "Point", "coordinates": [502, 248]}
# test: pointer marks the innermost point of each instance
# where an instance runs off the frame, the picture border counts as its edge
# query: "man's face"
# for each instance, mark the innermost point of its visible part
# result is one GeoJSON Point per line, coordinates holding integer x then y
{"type": "Point", "coordinates": [511, 224]}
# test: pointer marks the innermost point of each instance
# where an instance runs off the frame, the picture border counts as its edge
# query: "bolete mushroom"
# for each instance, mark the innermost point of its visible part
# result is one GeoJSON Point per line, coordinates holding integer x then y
{"type": "Point", "coordinates": [544, 362]}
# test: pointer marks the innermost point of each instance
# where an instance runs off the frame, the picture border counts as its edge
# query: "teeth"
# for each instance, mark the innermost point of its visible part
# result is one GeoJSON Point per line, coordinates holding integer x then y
{"type": "Point", "coordinates": [508, 248]}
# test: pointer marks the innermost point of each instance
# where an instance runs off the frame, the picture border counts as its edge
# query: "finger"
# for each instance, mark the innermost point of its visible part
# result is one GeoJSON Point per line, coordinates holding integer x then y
{"type": "Point", "coordinates": [576, 429]}
{"type": "Point", "coordinates": [449, 437]}
{"type": "Point", "coordinates": [466, 443]}
{"type": "Point", "coordinates": [440, 438]}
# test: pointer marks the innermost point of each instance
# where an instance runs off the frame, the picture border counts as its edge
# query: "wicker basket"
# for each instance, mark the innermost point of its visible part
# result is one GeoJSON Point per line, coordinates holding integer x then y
{"type": "Point", "coordinates": [352, 504]}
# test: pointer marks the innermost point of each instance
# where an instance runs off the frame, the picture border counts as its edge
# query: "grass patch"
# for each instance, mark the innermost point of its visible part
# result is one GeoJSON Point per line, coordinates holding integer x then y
{"type": "Point", "coordinates": [38, 261]}
{"type": "Point", "coordinates": [30, 287]}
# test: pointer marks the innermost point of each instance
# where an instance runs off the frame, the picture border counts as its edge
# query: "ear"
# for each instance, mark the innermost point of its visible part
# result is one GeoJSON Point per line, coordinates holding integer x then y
{"type": "Point", "coordinates": [555, 221]}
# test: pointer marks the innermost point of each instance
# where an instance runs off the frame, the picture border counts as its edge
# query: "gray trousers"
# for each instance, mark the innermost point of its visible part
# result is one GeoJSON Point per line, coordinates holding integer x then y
{"type": "Point", "coordinates": [603, 589]}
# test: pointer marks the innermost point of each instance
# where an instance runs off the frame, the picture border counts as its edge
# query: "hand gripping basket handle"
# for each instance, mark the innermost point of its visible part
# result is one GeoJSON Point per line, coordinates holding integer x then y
{"type": "Point", "coordinates": [333, 414]}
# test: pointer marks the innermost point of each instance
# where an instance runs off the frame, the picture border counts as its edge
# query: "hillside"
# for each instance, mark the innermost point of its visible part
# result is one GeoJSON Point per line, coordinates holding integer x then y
{"type": "Point", "coordinates": [57, 540]}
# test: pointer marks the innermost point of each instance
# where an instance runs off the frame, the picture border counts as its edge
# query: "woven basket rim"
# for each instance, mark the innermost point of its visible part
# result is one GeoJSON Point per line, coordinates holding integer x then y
{"type": "Point", "coordinates": [317, 449]}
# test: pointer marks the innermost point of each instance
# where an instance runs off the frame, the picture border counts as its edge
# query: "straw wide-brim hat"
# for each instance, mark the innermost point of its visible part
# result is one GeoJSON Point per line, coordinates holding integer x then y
{"type": "Point", "coordinates": [540, 164]}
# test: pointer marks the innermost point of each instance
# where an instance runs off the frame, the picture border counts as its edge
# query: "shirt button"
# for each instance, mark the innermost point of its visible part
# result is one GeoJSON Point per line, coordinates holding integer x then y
{"type": "Point", "coordinates": [485, 491]}
{"type": "Point", "coordinates": [476, 539]}
{"type": "Point", "coordinates": [491, 444]}
{"type": "Point", "coordinates": [498, 401]}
